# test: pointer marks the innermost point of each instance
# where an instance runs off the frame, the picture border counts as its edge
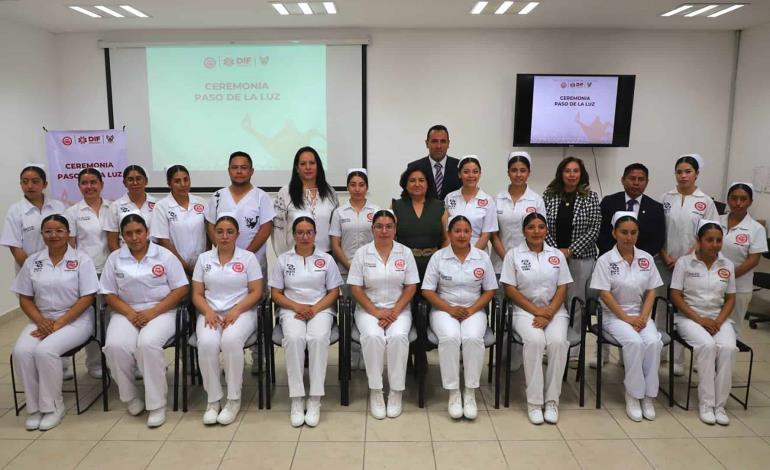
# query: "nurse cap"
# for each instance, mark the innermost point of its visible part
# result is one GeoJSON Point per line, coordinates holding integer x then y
{"type": "Point", "coordinates": [167, 167]}
{"type": "Point", "coordinates": [466, 157]}
{"type": "Point", "coordinates": [697, 157]}
{"type": "Point", "coordinates": [736, 183]}
{"type": "Point", "coordinates": [521, 154]}
{"type": "Point", "coordinates": [703, 222]}
{"type": "Point", "coordinates": [360, 170]}
{"type": "Point", "coordinates": [36, 165]}
{"type": "Point", "coordinates": [302, 214]}
{"type": "Point", "coordinates": [123, 215]}
{"type": "Point", "coordinates": [226, 214]}
{"type": "Point", "coordinates": [617, 215]}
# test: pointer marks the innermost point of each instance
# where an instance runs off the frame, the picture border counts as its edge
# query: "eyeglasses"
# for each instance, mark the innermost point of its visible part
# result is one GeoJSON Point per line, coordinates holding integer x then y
{"type": "Point", "coordinates": [57, 231]}
{"type": "Point", "coordinates": [220, 232]}
{"type": "Point", "coordinates": [303, 233]}
{"type": "Point", "coordinates": [387, 227]}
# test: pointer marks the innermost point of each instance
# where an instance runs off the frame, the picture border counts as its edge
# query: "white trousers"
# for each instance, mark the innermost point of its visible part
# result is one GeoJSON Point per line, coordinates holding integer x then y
{"type": "Point", "coordinates": [230, 341]}
{"type": "Point", "coordinates": [313, 334]}
{"type": "Point", "coordinates": [742, 300]}
{"type": "Point", "coordinates": [39, 363]}
{"type": "Point", "coordinates": [581, 270]}
{"type": "Point", "coordinates": [714, 356]}
{"type": "Point", "coordinates": [379, 345]}
{"type": "Point", "coordinates": [641, 355]}
{"type": "Point", "coordinates": [453, 335]}
{"type": "Point", "coordinates": [537, 341]}
{"type": "Point", "coordinates": [128, 347]}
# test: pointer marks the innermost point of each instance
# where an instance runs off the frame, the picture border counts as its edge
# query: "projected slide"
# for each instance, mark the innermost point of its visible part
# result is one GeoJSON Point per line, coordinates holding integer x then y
{"type": "Point", "coordinates": [205, 102]}
{"type": "Point", "coordinates": [573, 110]}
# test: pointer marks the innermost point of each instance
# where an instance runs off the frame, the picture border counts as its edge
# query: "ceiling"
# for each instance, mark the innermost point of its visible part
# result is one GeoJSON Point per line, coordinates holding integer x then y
{"type": "Point", "coordinates": [54, 16]}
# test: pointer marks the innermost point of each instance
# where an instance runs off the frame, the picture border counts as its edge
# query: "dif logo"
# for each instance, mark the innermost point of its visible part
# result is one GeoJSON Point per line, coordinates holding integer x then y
{"type": "Point", "coordinates": [91, 139]}
{"type": "Point", "coordinates": [585, 84]}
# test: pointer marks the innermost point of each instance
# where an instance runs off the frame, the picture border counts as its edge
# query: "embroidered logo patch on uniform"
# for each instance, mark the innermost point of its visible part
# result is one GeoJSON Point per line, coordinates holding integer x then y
{"type": "Point", "coordinates": [370, 216]}
{"type": "Point", "coordinates": [478, 272]}
{"type": "Point", "coordinates": [72, 264]}
{"type": "Point", "coordinates": [319, 263]}
{"type": "Point", "coordinates": [554, 260]}
{"type": "Point", "coordinates": [700, 206]}
{"type": "Point", "coordinates": [158, 270]}
{"type": "Point", "coordinates": [400, 264]}
{"type": "Point", "coordinates": [482, 203]}
{"type": "Point", "coordinates": [742, 238]}
{"type": "Point", "coordinates": [724, 273]}
{"type": "Point", "coordinates": [151, 205]}
{"type": "Point", "coordinates": [531, 210]}
{"type": "Point", "coordinates": [198, 208]}
{"type": "Point", "coordinates": [644, 263]}
{"type": "Point", "coordinates": [238, 267]}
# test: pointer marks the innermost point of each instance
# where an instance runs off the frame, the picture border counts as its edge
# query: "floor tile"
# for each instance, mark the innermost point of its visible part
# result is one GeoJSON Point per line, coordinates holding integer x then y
{"type": "Point", "coordinates": [267, 426]}
{"type": "Point", "coordinates": [134, 428]}
{"type": "Point", "coordinates": [514, 425]}
{"type": "Point", "coordinates": [189, 455]}
{"type": "Point", "coordinates": [539, 455]}
{"type": "Point", "coordinates": [412, 426]}
{"type": "Point", "coordinates": [191, 428]}
{"type": "Point", "coordinates": [671, 454]}
{"type": "Point", "coordinates": [54, 455]}
{"type": "Point", "coordinates": [120, 455]}
{"type": "Point", "coordinates": [10, 448]}
{"type": "Point", "coordinates": [336, 426]}
{"type": "Point", "coordinates": [444, 428]}
{"type": "Point", "coordinates": [258, 456]}
{"type": "Point", "coordinates": [664, 426]}
{"type": "Point", "coordinates": [739, 453]}
{"type": "Point", "coordinates": [399, 456]}
{"type": "Point", "coordinates": [588, 424]}
{"type": "Point", "coordinates": [328, 456]}
{"type": "Point", "coordinates": [12, 427]}
{"type": "Point", "coordinates": [608, 454]}
{"type": "Point", "coordinates": [698, 428]}
{"type": "Point", "coordinates": [757, 419]}
{"type": "Point", "coordinates": [465, 455]}
{"type": "Point", "coordinates": [90, 426]}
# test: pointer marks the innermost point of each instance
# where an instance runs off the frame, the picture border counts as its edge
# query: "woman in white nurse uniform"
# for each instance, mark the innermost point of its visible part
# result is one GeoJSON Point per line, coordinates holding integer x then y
{"type": "Point", "coordinates": [626, 278]}
{"type": "Point", "coordinates": [744, 241]}
{"type": "Point", "coordinates": [227, 284]}
{"type": "Point", "coordinates": [56, 288]}
{"type": "Point", "coordinates": [459, 283]}
{"type": "Point", "coordinates": [178, 220]}
{"type": "Point", "coordinates": [703, 292]}
{"type": "Point", "coordinates": [305, 285]}
{"type": "Point", "coordinates": [142, 283]}
{"type": "Point", "coordinates": [383, 279]}
{"type": "Point", "coordinates": [136, 199]}
{"type": "Point", "coordinates": [473, 203]}
{"type": "Point", "coordinates": [536, 276]}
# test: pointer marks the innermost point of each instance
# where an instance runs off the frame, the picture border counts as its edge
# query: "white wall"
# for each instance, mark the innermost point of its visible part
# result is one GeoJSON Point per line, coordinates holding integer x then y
{"type": "Point", "coordinates": [751, 126]}
{"type": "Point", "coordinates": [28, 100]}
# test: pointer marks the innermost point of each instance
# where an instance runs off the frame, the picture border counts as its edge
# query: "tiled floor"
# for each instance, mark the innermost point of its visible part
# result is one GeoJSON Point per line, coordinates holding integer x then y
{"type": "Point", "coordinates": [348, 437]}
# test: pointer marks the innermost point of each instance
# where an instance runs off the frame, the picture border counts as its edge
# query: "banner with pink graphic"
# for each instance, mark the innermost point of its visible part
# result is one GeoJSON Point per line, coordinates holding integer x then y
{"type": "Point", "coordinates": [71, 151]}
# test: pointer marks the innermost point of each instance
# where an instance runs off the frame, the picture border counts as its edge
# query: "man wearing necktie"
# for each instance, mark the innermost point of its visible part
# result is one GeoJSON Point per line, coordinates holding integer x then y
{"type": "Point", "coordinates": [441, 168]}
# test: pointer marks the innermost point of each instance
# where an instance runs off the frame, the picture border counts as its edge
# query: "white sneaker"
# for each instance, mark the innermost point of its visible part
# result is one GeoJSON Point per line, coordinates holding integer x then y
{"type": "Point", "coordinates": [95, 373]}
{"type": "Point", "coordinates": [229, 413]}
{"type": "Point", "coordinates": [67, 371]}
{"type": "Point", "coordinates": [377, 404]}
{"type": "Point", "coordinates": [313, 414]}
{"type": "Point", "coordinates": [51, 420]}
{"type": "Point", "coordinates": [648, 408]}
{"type": "Point", "coordinates": [135, 407]}
{"type": "Point", "coordinates": [455, 404]}
{"type": "Point", "coordinates": [707, 414]}
{"type": "Point", "coordinates": [633, 410]}
{"type": "Point", "coordinates": [394, 404]}
{"type": "Point", "coordinates": [470, 410]}
{"type": "Point", "coordinates": [212, 411]}
{"type": "Point", "coordinates": [535, 414]}
{"type": "Point", "coordinates": [678, 370]}
{"type": "Point", "coordinates": [551, 413]}
{"type": "Point", "coordinates": [33, 421]}
{"type": "Point", "coordinates": [297, 413]}
{"type": "Point", "coordinates": [156, 417]}
{"type": "Point", "coordinates": [719, 414]}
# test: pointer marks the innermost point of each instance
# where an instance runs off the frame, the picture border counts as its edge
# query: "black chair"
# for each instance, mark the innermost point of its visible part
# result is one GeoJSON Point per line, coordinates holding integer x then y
{"type": "Point", "coordinates": [575, 340]}
{"type": "Point", "coordinates": [256, 338]}
{"type": "Point", "coordinates": [761, 281]}
{"type": "Point", "coordinates": [177, 341]}
{"type": "Point", "coordinates": [428, 341]}
{"type": "Point", "coordinates": [97, 337]}
{"type": "Point", "coordinates": [273, 336]}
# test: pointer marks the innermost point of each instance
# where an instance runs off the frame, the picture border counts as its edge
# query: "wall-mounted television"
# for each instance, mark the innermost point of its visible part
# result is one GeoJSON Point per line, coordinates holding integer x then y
{"type": "Point", "coordinates": [573, 110]}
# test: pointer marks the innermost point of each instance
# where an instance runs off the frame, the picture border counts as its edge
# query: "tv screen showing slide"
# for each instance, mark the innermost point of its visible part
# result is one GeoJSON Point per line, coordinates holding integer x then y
{"type": "Point", "coordinates": [573, 110]}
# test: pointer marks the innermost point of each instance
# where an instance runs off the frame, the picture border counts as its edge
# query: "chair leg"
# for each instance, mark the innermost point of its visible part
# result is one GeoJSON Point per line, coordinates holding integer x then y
{"type": "Point", "coordinates": [15, 392]}
{"type": "Point", "coordinates": [185, 372]}
{"type": "Point", "coordinates": [75, 382]}
{"type": "Point", "coordinates": [491, 364]}
{"type": "Point", "coordinates": [581, 373]}
{"type": "Point", "coordinates": [105, 382]}
{"type": "Point", "coordinates": [176, 374]}
{"type": "Point", "coordinates": [599, 373]}
{"type": "Point", "coordinates": [689, 380]}
{"type": "Point", "coordinates": [508, 349]}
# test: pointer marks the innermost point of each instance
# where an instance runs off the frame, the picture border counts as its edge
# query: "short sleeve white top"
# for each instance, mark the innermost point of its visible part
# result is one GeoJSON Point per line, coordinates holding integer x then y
{"type": "Point", "coordinates": [305, 280]}
{"type": "Point", "coordinates": [123, 205]}
{"type": "Point", "coordinates": [142, 284]}
{"type": "Point", "coordinates": [536, 275]}
{"type": "Point", "coordinates": [353, 228]}
{"type": "Point", "coordinates": [57, 288]}
{"type": "Point", "coordinates": [226, 284]}
{"type": "Point", "coordinates": [510, 216]}
{"type": "Point", "coordinates": [746, 238]}
{"type": "Point", "coordinates": [186, 228]}
{"type": "Point", "coordinates": [459, 283]}
{"type": "Point", "coordinates": [86, 229]}
{"type": "Point", "coordinates": [480, 210]}
{"type": "Point", "coordinates": [22, 224]}
{"type": "Point", "coordinates": [682, 219]}
{"type": "Point", "coordinates": [704, 289]}
{"type": "Point", "coordinates": [627, 282]}
{"type": "Point", "coordinates": [383, 281]}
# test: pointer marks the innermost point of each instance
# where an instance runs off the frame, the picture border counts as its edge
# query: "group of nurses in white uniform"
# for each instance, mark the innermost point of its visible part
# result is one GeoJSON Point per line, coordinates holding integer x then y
{"type": "Point", "coordinates": [227, 284]}
{"type": "Point", "coordinates": [626, 278]}
{"type": "Point", "coordinates": [459, 283]}
{"type": "Point", "coordinates": [304, 283]}
{"type": "Point", "coordinates": [135, 199]}
{"type": "Point", "coordinates": [142, 283]}
{"type": "Point", "coordinates": [703, 292]}
{"type": "Point", "coordinates": [56, 288]}
{"type": "Point", "coordinates": [383, 279]}
{"type": "Point", "coordinates": [473, 203]}
{"type": "Point", "coordinates": [536, 276]}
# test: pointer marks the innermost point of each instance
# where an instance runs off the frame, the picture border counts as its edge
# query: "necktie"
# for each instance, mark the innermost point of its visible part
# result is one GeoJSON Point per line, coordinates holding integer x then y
{"type": "Point", "coordinates": [439, 178]}
{"type": "Point", "coordinates": [630, 205]}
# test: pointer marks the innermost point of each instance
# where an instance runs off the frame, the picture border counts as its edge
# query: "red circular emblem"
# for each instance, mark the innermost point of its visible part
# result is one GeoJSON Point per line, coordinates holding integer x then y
{"type": "Point", "coordinates": [320, 263]}
{"type": "Point", "coordinates": [72, 264]}
{"type": "Point", "coordinates": [67, 140]}
{"type": "Point", "coordinates": [531, 210]}
{"type": "Point", "coordinates": [742, 238]}
{"type": "Point", "coordinates": [370, 216]}
{"type": "Point", "coordinates": [238, 267]}
{"type": "Point", "coordinates": [151, 205]}
{"type": "Point", "coordinates": [554, 260]}
{"type": "Point", "coordinates": [198, 208]}
{"type": "Point", "coordinates": [478, 272]}
{"type": "Point", "coordinates": [209, 62]}
{"type": "Point", "coordinates": [700, 206]}
{"type": "Point", "coordinates": [644, 263]}
{"type": "Point", "coordinates": [158, 270]}
{"type": "Point", "coordinates": [724, 273]}
{"type": "Point", "coordinates": [482, 203]}
{"type": "Point", "coordinates": [400, 264]}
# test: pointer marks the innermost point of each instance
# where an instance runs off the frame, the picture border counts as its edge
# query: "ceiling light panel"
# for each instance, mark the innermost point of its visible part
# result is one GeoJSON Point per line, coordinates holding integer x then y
{"type": "Point", "coordinates": [502, 7]}
{"type": "Point", "coordinates": [703, 10]}
{"type": "Point", "coordinates": [109, 11]}
{"type": "Point", "coordinates": [304, 8]}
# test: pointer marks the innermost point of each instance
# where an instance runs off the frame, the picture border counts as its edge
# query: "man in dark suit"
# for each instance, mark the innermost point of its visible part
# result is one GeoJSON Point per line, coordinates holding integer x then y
{"type": "Point", "coordinates": [440, 168]}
